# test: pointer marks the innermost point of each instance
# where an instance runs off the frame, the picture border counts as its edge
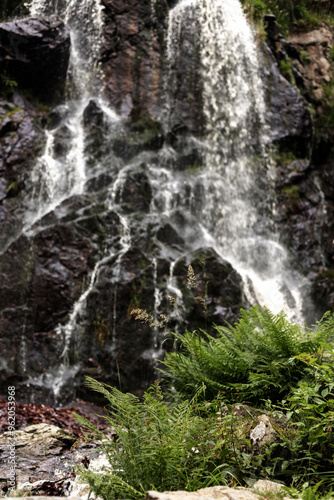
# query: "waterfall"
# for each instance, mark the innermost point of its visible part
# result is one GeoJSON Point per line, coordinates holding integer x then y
{"type": "Point", "coordinates": [209, 183]}
{"type": "Point", "coordinates": [58, 176]}
{"type": "Point", "coordinates": [238, 199]}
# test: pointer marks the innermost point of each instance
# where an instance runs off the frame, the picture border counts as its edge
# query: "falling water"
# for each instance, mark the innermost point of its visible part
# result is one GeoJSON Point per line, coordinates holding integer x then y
{"type": "Point", "coordinates": [236, 205]}
{"type": "Point", "coordinates": [55, 176]}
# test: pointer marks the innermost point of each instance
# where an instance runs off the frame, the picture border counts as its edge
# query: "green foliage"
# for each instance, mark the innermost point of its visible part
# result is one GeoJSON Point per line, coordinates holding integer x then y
{"type": "Point", "coordinates": [7, 84]}
{"type": "Point", "coordinates": [291, 15]}
{"type": "Point", "coordinates": [253, 360]}
{"type": "Point", "coordinates": [310, 411]}
{"type": "Point", "coordinates": [292, 191]}
{"type": "Point", "coordinates": [159, 446]}
{"type": "Point", "coordinates": [162, 445]}
{"type": "Point", "coordinates": [8, 7]}
{"type": "Point", "coordinates": [287, 70]}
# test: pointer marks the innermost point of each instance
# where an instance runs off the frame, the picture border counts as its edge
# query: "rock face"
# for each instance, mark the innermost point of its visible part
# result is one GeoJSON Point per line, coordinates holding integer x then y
{"type": "Point", "coordinates": [35, 52]}
{"type": "Point", "coordinates": [73, 265]}
{"type": "Point", "coordinates": [304, 188]}
{"type": "Point", "coordinates": [131, 54]}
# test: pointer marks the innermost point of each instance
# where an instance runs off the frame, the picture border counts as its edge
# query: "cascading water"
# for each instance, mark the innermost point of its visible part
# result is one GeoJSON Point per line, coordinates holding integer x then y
{"type": "Point", "coordinates": [56, 176]}
{"type": "Point", "coordinates": [236, 203]}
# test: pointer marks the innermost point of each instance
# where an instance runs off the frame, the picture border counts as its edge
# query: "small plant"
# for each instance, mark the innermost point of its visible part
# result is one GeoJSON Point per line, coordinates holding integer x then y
{"type": "Point", "coordinates": [291, 191]}
{"type": "Point", "coordinates": [286, 69]}
{"type": "Point", "coordinates": [160, 444]}
{"type": "Point", "coordinates": [145, 317]}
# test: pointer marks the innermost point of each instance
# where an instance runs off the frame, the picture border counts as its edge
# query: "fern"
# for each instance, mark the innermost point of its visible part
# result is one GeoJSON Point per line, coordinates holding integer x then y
{"type": "Point", "coordinates": [153, 440]}
{"type": "Point", "coordinates": [256, 358]}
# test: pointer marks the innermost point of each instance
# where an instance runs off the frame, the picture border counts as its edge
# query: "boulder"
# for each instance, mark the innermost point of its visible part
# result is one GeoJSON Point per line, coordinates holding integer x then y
{"type": "Point", "coordinates": [44, 459]}
{"type": "Point", "coordinates": [35, 53]}
{"type": "Point", "coordinates": [259, 489]}
{"type": "Point", "coordinates": [262, 434]}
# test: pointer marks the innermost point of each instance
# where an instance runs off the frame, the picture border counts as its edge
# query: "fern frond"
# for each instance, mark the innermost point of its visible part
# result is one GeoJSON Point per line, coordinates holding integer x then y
{"type": "Point", "coordinates": [260, 346]}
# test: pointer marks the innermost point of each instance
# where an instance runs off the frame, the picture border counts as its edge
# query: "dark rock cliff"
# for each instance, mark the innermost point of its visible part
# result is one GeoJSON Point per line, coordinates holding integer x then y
{"type": "Point", "coordinates": [45, 271]}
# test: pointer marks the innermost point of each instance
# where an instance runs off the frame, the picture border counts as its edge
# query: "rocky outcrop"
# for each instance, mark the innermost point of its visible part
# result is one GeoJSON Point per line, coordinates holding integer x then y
{"type": "Point", "coordinates": [259, 489]}
{"type": "Point", "coordinates": [135, 63]}
{"type": "Point", "coordinates": [131, 55]}
{"type": "Point", "coordinates": [310, 53]}
{"type": "Point", "coordinates": [35, 53]}
{"type": "Point", "coordinates": [46, 456]}
{"type": "Point", "coordinates": [288, 116]}
{"type": "Point", "coordinates": [303, 180]}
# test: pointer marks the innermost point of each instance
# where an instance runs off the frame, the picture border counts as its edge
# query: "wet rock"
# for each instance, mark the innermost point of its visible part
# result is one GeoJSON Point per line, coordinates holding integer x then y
{"type": "Point", "coordinates": [167, 234]}
{"type": "Point", "coordinates": [35, 52]}
{"type": "Point", "coordinates": [62, 260]}
{"type": "Point", "coordinates": [143, 135]}
{"type": "Point", "coordinates": [135, 192]}
{"type": "Point", "coordinates": [114, 340]}
{"type": "Point", "coordinates": [275, 38]}
{"type": "Point", "coordinates": [288, 116]}
{"type": "Point", "coordinates": [21, 139]}
{"type": "Point", "coordinates": [131, 54]}
{"type": "Point", "coordinates": [43, 279]}
{"type": "Point", "coordinates": [218, 287]}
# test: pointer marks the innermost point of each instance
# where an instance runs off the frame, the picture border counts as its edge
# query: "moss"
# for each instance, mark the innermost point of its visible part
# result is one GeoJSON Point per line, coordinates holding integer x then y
{"type": "Point", "coordinates": [284, 158]}
{"type": "Point", "coordinates": [305, 57]}
{"type": "Point", "coordinates": [12, 189]}
{"type": "Point", "coordinates": [142, 264]}
{"type": "Point", "coordinates": [286, 69]}
{"type": "Point", "coordinates": [11, 111]}
{"type": "Point", "coordinates": [194, 169]}
{"type": "Point", "coordinates": [143, 122]}
{"type": "Point", "coordinates": [291, 191]}
{"type": "Point", "coordinates": [292, 15]}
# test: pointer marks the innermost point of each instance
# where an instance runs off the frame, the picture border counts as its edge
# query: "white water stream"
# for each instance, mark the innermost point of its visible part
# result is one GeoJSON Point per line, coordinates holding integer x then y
{"type": "Point", "coordinates": [55, 179]}
{"type": "Point", "coordinates": [55, 176]}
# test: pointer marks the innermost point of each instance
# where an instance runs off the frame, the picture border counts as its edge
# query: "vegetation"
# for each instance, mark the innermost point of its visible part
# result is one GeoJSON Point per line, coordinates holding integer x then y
{"type": "Point", "coordinates": [291, 15]}
{"type": "Point", "coordinates": [254, 359]}
{"type": "Point", "coordinates": [7, 7]}
{"type": "Point", "coordinates": [200, 438]}
{"type": "Point", "coordinates": [158, 446]}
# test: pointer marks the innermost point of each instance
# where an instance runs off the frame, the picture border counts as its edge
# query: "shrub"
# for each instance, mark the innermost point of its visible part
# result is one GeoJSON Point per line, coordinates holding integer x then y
{"type": "Point", "coordinates": [310, 412]}
{"type": "Point", "coordinates": [159, 445]}
{"type": "Point", "coordinates": [253, 360]}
